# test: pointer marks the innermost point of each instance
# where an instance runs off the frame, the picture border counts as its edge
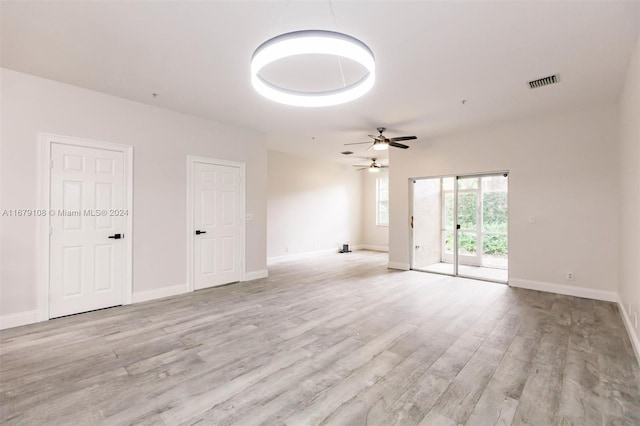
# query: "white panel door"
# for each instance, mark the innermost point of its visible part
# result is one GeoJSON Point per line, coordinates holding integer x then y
{"type": "Point", "coordinates": [86, 257]}
{"type": "Point", "coordinates": [218, 226]}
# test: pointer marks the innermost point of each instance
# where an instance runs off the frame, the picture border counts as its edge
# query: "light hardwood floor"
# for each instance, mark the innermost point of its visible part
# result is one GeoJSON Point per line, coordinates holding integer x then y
{"type": "Point", "coordinates": [332, 340]}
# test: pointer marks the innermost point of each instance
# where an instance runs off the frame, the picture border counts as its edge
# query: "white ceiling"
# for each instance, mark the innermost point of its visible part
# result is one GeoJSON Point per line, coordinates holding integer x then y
{"type": "Point", "coordinates": [430, 56]}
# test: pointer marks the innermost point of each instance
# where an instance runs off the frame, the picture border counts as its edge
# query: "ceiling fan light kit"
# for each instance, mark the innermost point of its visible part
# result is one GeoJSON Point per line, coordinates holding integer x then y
{"type": "Point", "coordinates": [312, 42]}
{"type": "Point", "coordinates": [380, 146]}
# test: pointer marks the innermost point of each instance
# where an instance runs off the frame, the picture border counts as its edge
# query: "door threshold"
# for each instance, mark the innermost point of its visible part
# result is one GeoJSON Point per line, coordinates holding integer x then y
{"type": "Point", "coordinates": [467, 277]}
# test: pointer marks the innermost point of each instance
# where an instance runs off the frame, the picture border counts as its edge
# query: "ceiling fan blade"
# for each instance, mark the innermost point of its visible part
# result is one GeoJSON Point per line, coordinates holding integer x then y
{"type": "Point", "coordinates": [383, 167]}
{"type": "Point", "coordinates": [356, 143]}
{"type": "Point", "coordinates": [359, 165]}
{"type": "Point", "coordinates": [364, 168]}
{"type": "Point", "coordinates": [403, 138]}
{"type": "Point", "coordinates": [398, 145]}
{"type": "Point", "coordinates": [374, 136]}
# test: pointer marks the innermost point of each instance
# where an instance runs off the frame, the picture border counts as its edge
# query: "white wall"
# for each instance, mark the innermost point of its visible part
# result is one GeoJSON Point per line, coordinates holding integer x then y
{"type": "Point", "coordinates": [161, 139]}
{"type": "Point", "coordinates": [313, 205]}
{"type": "Point", "coordinates": [629, 154]}
{"type": "Point", "coordinates": [373, 236]}
{"type": "Point", "coordinates": [562, 173]}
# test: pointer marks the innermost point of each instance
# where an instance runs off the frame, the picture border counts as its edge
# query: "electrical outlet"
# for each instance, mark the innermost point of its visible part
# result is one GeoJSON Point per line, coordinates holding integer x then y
{"type": "Point", "coordinates": [570, 276]}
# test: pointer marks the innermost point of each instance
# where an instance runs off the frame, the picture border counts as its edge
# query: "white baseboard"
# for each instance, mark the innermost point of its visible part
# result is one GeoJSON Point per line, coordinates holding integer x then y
{"type": "Point", "coordinates": [587, 293]}
{"type": "Point", "coordinates": [373, 248]}
{"type": "Point", "coordinates": [256, 275]}
{"type": "Point", "coordinates": [305, 255]}
{"type": "Point", "coordinates": [18, 319]}
{"type": "Point", "coordinates": [308, 254]}
{"type": "Point", "coordinates": [399, 265]}
{"type": "Point", "coordinates": [635, 343]}
{"type": "Point", "coordinates": [159, 293]}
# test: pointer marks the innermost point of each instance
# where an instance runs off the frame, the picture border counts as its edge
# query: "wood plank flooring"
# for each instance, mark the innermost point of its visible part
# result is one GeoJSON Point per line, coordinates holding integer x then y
{"type": "Point", "coordinates": [335, 340]}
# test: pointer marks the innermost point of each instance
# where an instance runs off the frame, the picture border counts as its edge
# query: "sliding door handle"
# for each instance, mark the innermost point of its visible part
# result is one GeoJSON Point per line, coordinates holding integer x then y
{"type": "Point", "coordinates": [198, 232]}
{"type": "Point", "coordinates": [116, 236]}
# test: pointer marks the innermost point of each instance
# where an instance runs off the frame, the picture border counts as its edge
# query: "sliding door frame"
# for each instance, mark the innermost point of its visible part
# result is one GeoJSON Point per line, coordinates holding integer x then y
{"type": "Point", "coordinates": [455, 177]}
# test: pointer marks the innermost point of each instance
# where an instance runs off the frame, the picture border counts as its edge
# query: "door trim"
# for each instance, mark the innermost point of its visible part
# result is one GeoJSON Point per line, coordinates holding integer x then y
{"type": "Point", "coordinates": [45, 140]}
{"type": "Point", "coordinates": [191, 160]}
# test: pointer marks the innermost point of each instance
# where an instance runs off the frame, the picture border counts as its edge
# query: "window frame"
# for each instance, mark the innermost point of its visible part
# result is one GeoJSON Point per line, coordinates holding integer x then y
{"type": "Point", "coordinates": [379, 201]}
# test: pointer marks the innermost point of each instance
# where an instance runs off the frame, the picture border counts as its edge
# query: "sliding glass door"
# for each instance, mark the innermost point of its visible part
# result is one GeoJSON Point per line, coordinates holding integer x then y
{"type": "Point", "coordinates": [431, 228]}
{"type": "Point", "coordinates": [460, 226]}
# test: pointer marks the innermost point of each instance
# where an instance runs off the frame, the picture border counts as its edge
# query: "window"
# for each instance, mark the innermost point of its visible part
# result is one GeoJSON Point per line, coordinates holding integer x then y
{"type": "Point", "coordinates": [382, 201]}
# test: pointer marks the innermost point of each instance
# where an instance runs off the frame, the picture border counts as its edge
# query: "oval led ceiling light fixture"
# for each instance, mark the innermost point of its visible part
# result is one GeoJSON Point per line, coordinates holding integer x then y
{"type": "Point", "coordinates": [309, 42]}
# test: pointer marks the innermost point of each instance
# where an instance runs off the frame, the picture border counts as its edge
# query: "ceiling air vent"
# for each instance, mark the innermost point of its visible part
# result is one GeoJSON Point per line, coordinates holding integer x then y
{"type": "Point", "coordinates": [545, 81]}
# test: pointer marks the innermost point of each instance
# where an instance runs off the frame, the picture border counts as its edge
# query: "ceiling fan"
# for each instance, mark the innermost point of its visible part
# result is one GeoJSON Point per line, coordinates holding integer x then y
{"type": "Point", "coordinates": [373, 167]}
{"type": "Point", "coordinates": [381, 142]}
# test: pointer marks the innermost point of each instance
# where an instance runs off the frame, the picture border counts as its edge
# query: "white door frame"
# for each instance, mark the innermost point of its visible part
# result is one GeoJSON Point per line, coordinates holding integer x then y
{"type": "Point", "coordinates": [45, 141]}
{"type": "Point", "coordinates": [191, 160]}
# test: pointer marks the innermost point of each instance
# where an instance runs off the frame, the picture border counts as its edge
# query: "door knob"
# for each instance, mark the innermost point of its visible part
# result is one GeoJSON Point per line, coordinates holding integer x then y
{"type": "Point", "coordinates": [198, 232]}
{"type": "Point", "coordinates": [116, 236]}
